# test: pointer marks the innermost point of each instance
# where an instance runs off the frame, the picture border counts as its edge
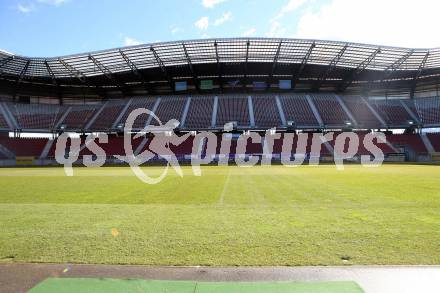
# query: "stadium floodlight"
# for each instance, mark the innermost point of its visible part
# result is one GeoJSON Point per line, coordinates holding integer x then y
{"type": "Point", "coordinates": [291, 126]}
{"type": "Point", "coordinates": [348, 123]}
{"type": "Point", "coordinates": [120, 126]}
{"type": "Point", "coordinates": [230, 126]}
{"type": "Point", "coordinates": [63, 127]}
{"type": "Point", "coordinates": [410, 122]}
{"type": "Point", "coordinates": [173, 123]}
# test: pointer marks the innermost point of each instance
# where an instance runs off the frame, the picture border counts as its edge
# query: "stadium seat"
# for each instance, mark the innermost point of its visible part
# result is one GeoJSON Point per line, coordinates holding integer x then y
{"type": "Point", "coordinates": [330, 109]}
{"type": "Point", "coordinates": [434, 138]}
{"type": "Point", "coordinates": [297, 109]}
{"type": "Point", "coordinates": [79, 116]}
{"type": "Point", "coordinates": [429, 110]}
{"type": "Point", "coordinates": [392, 112]}
{"type": "Point", "coordinates": [362, 114]}
{"type": "Point", "coordinates": [36, 116]}
{"type": "Point", "coordinates": [169, 108]}
{"type": "Point", "coordinates": [266, 112]}
{"type": "Point", "coordinates": [108, 115]}
{"type": "Point", "coordinates": [233, 109]}
{"type": "Point", "coordinates": [24, 147]}
{"type": "Point", "coordinates": [412, 141]}
{"type": "Point", "coordinates": [200, 113]}
{"type": "Point", "coordinates": [141, 121]}
{"type": "Point", "coordinates": [3, 122]}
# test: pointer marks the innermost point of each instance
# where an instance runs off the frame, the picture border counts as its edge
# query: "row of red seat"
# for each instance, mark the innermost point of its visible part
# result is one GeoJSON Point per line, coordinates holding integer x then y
{"type": "Point", "coordinates": [24, 146]}
{"type": "Point", "coordinates": [330, 110]}
{"type": "Point", "coordinates": [115, 146]}
{"type": "Point", "coordinates": [434, 138]}
{"type": "Point", "coordinates": [3, 122]}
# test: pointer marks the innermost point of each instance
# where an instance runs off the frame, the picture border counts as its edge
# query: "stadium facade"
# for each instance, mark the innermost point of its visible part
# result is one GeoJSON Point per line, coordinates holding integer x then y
{"type": "Point", "coordinates": [256, 83]}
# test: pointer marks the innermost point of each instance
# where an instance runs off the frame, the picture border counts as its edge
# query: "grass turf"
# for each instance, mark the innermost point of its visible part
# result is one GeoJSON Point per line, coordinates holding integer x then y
{"type": "Point", "coordinates": [229, 216]}
{"type": "Point", "coordinates": [70, 285]}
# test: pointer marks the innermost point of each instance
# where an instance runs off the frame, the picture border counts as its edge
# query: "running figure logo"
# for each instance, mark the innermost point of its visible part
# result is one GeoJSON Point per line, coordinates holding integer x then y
{"type": "Point", "coordinates": [159, 145]}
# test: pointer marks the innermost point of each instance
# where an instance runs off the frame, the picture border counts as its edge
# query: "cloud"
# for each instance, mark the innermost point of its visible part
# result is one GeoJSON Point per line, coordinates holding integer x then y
{"type": "Point", "coordinates": [393, 22]}
{"type": "Point", "coordinates": [175, 30]}
{"type": "Point", "coordinates": [276, 27]}
{"type": "Point", "coordinates": [131, 42]}
{"type": "Point", "coordinates": [202, 23]}
{"type": "Point", "coordinates": [25, 8]}
{"type": "Point", "coordinates": [225, 17]}
{"type": "Point", "coordinates": [211, 3]}
{"type": "Point", "coordinates": [277, 30]}
{"type": "Point", "coordinates": [53, 2]}
{"type": "Point", "coordinates": [249, 32]}
{"type": "Point", "coordinates": [290, 6]}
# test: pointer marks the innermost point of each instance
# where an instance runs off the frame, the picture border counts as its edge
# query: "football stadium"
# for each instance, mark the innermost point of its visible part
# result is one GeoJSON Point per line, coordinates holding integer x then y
{"type": "Point", "coordinates": [260, 104]}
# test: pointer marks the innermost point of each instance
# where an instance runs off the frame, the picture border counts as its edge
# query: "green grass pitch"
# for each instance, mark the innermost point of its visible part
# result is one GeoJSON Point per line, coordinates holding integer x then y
{"type": "Point", "coordinates": [229, 216]}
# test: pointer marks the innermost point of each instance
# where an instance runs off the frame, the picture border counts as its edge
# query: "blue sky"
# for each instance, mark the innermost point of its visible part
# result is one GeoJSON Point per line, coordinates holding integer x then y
{"type": "Point", "coordinates": [43, 28]}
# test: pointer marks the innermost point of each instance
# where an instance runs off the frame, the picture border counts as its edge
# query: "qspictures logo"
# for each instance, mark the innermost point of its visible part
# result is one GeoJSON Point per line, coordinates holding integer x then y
{"type": "Point", "coordinates": [207, 149]}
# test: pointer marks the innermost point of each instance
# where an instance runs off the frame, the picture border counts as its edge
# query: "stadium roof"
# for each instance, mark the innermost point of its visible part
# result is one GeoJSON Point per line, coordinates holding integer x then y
{"type": "Point", "coordinates": [311, 64]}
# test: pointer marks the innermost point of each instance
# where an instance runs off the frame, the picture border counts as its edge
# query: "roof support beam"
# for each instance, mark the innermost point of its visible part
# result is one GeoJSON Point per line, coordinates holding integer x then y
{"type": "Point", "coordinates": [23, 72]}
{"type": "Point", "coordinates": [396, 65]}
{"type": "Point", "coordinates": [191, 68]}
{"type": "Point", "coordinates": [390, 70]}
{"type": "Point", "coordinates": [54, 80]}
{"type": "Point", "coordinates": [219, 66]}
{"type": "Point", "coordinates": [275, 63]}
{"type": "Point", "coordinates": [101, 67]}
{"type": "Point", "coordinates": [121, 86]}
{"type": "Point", "coordinates": [359, 69]}
{"type": "Point", "coordinates": [75, 72]}
{"type": "Point", "coordinates": [21, 76]}
{"type": "Point", "coordinates": [52, 75]}
{"type": "Point", "coordinates": [304, 61]}
{"type": "Point", "coordinates": [80, 76]}
{"type": "Point", "coordinates": [332, 65]}
{"type": "Point", "coordinates": [163, 68]}
{"type": "Point", "coordinates": [418, 74]}
{"type": "Point", "coordinates": [135, 70]}
{"type": "Point", "coordinates": [5, 61]}
{"type": "Point", "coordinates": [246, 65]}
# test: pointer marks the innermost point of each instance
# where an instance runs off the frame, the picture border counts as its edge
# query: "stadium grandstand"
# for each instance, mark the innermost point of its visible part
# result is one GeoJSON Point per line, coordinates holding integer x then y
{"type": "Point", "coordinates": [292, 85]}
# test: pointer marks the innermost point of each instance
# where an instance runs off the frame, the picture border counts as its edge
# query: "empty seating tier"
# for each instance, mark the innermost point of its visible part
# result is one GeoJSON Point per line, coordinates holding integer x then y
{"type": "Point", "coordinates": [266, 112]}
{"type": "Point", "coordinates": [412, 107]}
{"type": "Point", "coordinates": [114, 146]}
{"type": "Point", "coordinates": [3, 122]}
{"type": "Point", "coordinates": [78, 117]}
{"type": "Point", "coordinates": [297, 109]}
{"type": "Point", "coordinates": [434, 138]}
{"type": "Point", "coordinates": [330, 110]}
{"type": "Point", "coordinates": [428, 110]}
{"type": "Point", "coordinates": [24, 147]}
{"type": "Point", "coordinates": [361, 112]}
{"type": "Point", "coordinates": [412, 141]}
{"type": "Point", "coordinates": [36, 116]}
{"type": "Point", "coordinates": [108, 115]}
{"type": "Point", "coordinates": [141, 120]}
{"type": "Point", "coordinates": [392, 111]}
{"type": "Point", "coordinates": [233, 109]}
{"type": "Point", "coordinates": [169, 108]}
{"type": "Point", "coordinates": [200, 113]}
